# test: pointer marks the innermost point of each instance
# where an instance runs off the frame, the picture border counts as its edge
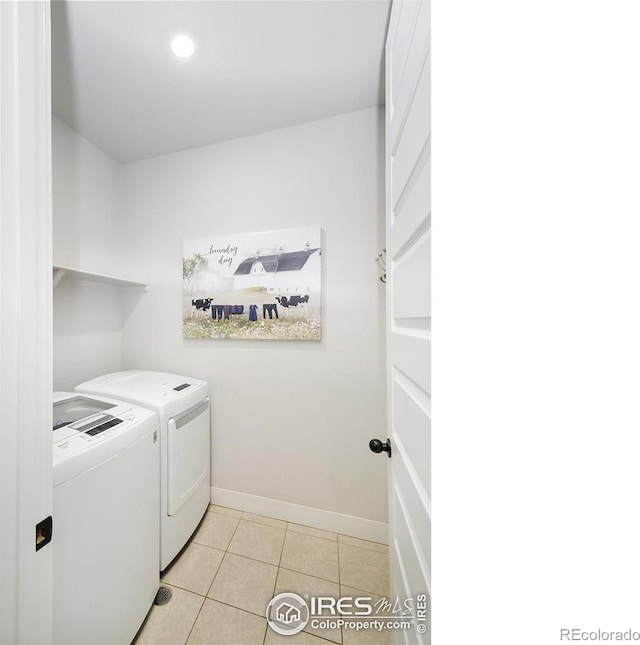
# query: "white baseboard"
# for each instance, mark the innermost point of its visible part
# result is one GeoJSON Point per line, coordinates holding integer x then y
{"type": "Point", "coordinates": [318, 518]}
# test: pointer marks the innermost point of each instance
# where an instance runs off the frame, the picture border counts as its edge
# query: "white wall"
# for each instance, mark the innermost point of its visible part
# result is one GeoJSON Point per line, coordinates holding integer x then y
{"type": "Point", "coordinates": [291, 420]}
{"type": "Point", "coordinates": [87, 319]}
{"type": "Point", "coordinates": [87, 203]}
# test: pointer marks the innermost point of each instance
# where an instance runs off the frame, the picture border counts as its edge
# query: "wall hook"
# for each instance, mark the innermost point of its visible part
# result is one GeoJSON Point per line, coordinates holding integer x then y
{"type": "Point", "coordinates": [382, 263]}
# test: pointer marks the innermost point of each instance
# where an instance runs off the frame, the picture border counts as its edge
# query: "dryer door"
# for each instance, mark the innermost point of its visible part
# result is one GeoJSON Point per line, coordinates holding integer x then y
{"type": "Point", "coordinates": [187, 454]}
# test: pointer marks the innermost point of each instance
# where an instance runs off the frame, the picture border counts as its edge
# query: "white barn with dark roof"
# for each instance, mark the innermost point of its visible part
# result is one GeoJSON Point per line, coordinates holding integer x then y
{"type": "Point", "coordinates": [297, 272]}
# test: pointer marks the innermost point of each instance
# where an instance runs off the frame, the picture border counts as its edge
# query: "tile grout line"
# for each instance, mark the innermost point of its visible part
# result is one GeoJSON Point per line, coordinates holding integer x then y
{"type": "Point", "coordinates": [288, 525]}
{"type": "Point", "coordinates": [303, 573]}
{"type": "Point", "coordinates": [195, 593]}
{"type": "Point", "coordinates": [364, 548]}
{"type": "Point", "coordinates": [226, 550]}
{"type": "Point", "coordinates": [241, 555]}
{"type": "Point", "coordinates": [247, 611]}
{"type": "Point", "coordinates": [328, 640]}
{"type": "Point", "coordinates": [226, 604]}
{"type": "Point", "coordinates": [275, 584]}
{"type": "Point", "coordinates": [194, 622]}
{"type": "Point", "coordinates": [266, 517]}
{"type": "Point", "coordinates": [214, 577]}
{"type": "Point", "coordinates": [340, 587]}
{"type": "Point", "coordinates": [306, 573]}
{"type": "Point", "coordinates": [321, 537]}
{"type": "Point", "coordinates": [240, 519]}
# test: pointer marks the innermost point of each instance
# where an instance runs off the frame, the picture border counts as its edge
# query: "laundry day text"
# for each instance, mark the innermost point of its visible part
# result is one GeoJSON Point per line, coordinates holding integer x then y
{"type": "Point", "coordinates": [226, 254]}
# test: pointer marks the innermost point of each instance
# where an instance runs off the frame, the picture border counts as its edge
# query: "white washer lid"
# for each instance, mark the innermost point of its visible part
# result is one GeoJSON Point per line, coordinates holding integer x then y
{"type": "Point", "coordinates": [76, 451]}
{"type": "Point", "coordinates": [167, 393]}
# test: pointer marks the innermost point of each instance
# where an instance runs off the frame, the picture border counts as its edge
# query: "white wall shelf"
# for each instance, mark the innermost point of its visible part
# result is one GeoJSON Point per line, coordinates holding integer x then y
{"type": "Point", "coordinates": [79, 276]}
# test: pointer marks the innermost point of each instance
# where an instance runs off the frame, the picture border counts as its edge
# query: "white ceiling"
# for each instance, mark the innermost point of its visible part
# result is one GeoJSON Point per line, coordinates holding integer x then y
{"type": "Point", "coordinates": [258, 66]}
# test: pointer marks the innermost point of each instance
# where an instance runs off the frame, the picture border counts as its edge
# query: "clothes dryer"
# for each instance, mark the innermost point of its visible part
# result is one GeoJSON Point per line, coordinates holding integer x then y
{"type": "Point", "coordinates": [183, 407]}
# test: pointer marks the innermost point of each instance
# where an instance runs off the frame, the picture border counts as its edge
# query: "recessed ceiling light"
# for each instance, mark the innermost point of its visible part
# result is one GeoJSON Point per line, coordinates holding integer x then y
{"type": "Point", "coordinates": [182, 46]}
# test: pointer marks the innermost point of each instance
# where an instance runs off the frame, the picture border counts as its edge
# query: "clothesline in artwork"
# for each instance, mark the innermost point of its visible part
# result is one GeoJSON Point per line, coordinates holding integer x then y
{"type": "Point", "coordinates": [224, 312]}
{"type": "Point", "coordinates": [220, 312]}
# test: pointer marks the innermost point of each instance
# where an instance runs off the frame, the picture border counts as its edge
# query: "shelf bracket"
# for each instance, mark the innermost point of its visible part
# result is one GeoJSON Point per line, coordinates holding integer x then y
{"type": "Point", "coordinates": [58, 274]}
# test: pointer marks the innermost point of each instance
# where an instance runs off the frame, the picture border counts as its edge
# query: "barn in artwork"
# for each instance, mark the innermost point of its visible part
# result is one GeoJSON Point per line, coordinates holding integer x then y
{"type": "Point", "coordinates": [293, 272]}
{"type": "Point", "coordinates": [258, 285]}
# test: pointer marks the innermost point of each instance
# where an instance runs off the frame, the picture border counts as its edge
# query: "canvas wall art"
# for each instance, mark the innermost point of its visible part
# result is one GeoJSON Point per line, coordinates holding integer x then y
{"type": "Point", "coordinates": [255, 285]}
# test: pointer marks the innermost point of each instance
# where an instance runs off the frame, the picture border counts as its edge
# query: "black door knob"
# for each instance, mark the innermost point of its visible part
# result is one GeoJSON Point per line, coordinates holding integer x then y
{"type": "Point", "coordinates": [377, 446]}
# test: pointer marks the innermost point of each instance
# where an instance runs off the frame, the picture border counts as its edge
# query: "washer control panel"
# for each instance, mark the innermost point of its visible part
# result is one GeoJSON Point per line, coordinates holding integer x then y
{"type": "Point", "coordinates": [97, 424]}
{"type": "Point", "coordinates": [87, 432]}
{"type": "Point", "coordinates": [82, 434]}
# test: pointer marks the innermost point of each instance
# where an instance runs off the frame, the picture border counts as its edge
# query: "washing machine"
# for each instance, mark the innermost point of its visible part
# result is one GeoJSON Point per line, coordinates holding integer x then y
{"type": "Point", "coordinates": [183, 406]}
{"type": "Point", "coordinates": [105, 543]}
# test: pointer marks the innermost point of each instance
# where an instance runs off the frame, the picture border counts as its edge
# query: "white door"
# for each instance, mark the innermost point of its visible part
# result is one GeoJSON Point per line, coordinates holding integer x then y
{"type": "Point", "coordinates": [25, 322]}
{"type": "Point", "coordinates": [408, 216]}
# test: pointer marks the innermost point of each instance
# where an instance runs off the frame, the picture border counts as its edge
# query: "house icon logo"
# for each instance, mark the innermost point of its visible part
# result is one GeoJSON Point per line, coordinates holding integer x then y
{"type": "Point", "coordinates": [287, 614]}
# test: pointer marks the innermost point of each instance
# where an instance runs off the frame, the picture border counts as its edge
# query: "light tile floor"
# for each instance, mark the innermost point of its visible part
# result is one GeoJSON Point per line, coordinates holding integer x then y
{"type": "Point", "coordinates": [236, 562]}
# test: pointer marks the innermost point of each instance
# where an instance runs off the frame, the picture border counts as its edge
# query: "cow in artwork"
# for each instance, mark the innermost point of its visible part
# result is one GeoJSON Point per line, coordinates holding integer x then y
{"type": "Point", "coordinates": [200, 304]}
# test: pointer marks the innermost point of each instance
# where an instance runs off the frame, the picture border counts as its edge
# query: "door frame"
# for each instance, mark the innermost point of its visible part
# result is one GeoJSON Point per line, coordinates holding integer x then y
{"type": "Point", "coordinates": [25, 320]}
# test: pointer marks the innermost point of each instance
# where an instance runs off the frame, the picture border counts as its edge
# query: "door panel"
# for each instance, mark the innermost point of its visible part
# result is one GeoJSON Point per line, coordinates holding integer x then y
{"type": "Point", "coordinates": [411, 412]}
{"type": "Point", "coordinates": [408, 189]}
{"type": "Point", "coordinates": [412, 133]}
{"type": "Point", "coordinates": [409, 215]}
{"type": "Point", "coordinates": [416, 563]}
{"type": "Point", "coordinates": [416, 52]}
{"type": "Point", "coordinates": [406, 20]}
{"type": "Point", "coordinates": [188, 455]}
{"type": "Point", "coordinates": [409, 302]}
{"type": "Point", "coordinates": [412, 354]}
{"type": "Point", "coordinates": [413, 495]}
